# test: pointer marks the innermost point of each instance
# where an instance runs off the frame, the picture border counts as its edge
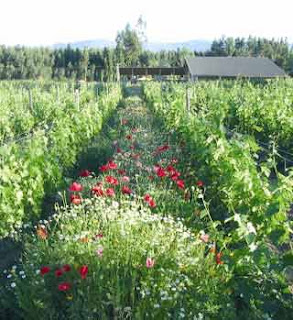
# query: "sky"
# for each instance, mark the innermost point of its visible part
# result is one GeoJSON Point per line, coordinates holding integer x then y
{"type": "Point", "coordinates": [45, 22]}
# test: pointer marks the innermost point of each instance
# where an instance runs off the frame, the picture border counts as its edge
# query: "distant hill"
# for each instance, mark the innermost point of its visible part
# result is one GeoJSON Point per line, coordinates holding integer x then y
{"type": "Point", "coordinates": [98, 43]}
{"type": "Point", "coordinates": [198, 45]}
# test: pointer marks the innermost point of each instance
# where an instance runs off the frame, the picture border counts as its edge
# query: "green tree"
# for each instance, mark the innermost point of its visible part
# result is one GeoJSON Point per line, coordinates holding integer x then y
{"type": "Point", "coordinates": [129, 43]}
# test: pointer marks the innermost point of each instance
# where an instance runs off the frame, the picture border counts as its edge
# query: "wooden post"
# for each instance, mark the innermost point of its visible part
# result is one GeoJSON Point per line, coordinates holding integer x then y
{"type": "Point", "coordinates": [30, 100]}
{"type": "Point", "coordinates": [57, 94]}
{"type": "Point", "coordinates": [107, 90]}
{"type": "Point", "coordinates": [187, 100]}
{"type": "Point", "coordinates": [77, 98]}
{"type": "Point", "coordinates": [118, 73]}
{"type": "Point", "coordinates": [97, 92]}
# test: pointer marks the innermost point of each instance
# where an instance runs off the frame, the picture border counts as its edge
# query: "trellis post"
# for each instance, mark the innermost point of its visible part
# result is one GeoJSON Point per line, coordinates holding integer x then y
{"type": "Point", "coordinates": [77, 98]}
{"type": "Point", "coordinates": [187, 99]}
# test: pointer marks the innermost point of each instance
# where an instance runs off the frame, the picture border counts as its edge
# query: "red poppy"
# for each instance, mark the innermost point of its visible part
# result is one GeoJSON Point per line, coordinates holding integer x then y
{"type": "Point", "coordinates": [112, 165]}
{"type": "Point", "coordinates": [110, 192]}
{"type": "Point", "coordinates": [152, 203]}
{"type": "Point", "coordinates": [180, 184]}
{"type": "Point", "coordinates": [175, 175]}
{"type": "Point", "coordinates": [161, 172]}
{"type": "Point", "coordinates": [64, 286]}
{"type": "Point", "coordinates": [126, 190]}
{"type": "Point", "coordinates": [147, 197]}
{"type": "Point", "coordinates": [104, 168]}
{"type": "Point", "coordinates": [122, 172]}
{"type": "Point", "coordinates": [118, 150]}
{"type": "Point", "coordinates": [83, 271]}
{"type": "Point", "coordinates": [58, 272]}
{"type": "Point", "coordinates": [200, 183]}
{"type": "Point", "coordinates": [132, 147]}
{"type": "Point", "coordinates": [44, 270]}
{"type": "Point", "coordinates": [66, 268]}
{"type": "Point", "coordinates": [150, 200]}
{"type": "Point", "coordinates": [85, 173]}
{"type": "Point", "coordinates": [170, 169]}
{"type": "Point", "coordinates": [129, 137]}
{"type": "Point", "coordinates": [111, 180]}
{"type": "Point", "coordinates": [75, 187]}
{"type": "Point", "coordinates": [218, 258]}
{"type": "Point", "coordinates": [75, 199]}
{"type": "Point", "coordinates": [97, 190]}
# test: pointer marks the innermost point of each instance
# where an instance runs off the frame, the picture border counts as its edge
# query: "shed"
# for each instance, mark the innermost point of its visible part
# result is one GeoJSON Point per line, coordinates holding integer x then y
{"type": "Point", "coordinates": [232, 67]}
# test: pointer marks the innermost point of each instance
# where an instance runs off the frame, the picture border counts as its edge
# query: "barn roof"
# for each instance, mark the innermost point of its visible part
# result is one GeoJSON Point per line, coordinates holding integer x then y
{"type": "Point", "coordinates": [233, 67]}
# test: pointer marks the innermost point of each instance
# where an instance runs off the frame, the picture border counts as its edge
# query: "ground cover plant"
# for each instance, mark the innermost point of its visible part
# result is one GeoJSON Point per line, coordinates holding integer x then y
{"type": "Point", "coordinates": [164, 218]}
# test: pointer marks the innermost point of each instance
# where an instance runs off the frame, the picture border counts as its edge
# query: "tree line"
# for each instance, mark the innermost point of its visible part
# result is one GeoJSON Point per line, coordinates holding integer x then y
{"type": "Point", "coordinates": [100, 64]}
{"type": "Point", "coordinates": [73, 63]}
{"type": "Point", "coordinates": [277, 50]}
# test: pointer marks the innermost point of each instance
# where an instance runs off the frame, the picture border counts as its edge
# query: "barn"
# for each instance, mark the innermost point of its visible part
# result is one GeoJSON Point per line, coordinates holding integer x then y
{"type": "Point", "coordinates": [231, 67]}
{"type": "Point", "coordinates": [195, 68]}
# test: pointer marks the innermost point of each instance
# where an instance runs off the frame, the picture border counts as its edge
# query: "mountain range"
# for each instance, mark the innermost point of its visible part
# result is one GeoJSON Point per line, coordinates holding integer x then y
{"type": "Point", "coordinates": [198, 45]}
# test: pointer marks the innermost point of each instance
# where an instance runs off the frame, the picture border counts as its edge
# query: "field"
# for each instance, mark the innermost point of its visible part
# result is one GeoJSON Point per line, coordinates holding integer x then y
{"type": "Point", "coordinates": [160, 201]}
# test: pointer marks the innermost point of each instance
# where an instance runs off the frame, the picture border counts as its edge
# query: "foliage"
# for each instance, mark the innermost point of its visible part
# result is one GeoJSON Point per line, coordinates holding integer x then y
{"type": "Point", "coordinates": [92, 64]}
{"type": "Point", "coordinates": [34, 165]}
{"type": "Point", "coordinates": [129, 43]}
{"type": "Point", "coordinates": [182, 221]}
{"type": "Point", "coordinates": [122, 249]}
{"type": "Point", "coordinates": [139, 265]}
{"type": "Point", "coordinates": [276, 50]}
{"type": "Point", "coordinates": [250, 209]}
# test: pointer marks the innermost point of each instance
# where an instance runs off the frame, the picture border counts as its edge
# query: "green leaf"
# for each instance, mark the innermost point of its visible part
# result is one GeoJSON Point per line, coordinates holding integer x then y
{"type": "Point", "coordinates": [288, 259]}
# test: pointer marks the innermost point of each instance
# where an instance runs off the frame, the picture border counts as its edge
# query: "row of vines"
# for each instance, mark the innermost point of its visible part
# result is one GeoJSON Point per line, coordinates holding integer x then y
{"type": "Point", "coordinates": [248, 198]}
{"type": "Point", "coordinates": [42, 136]}
{"type": "Point", "coordinates": [178, 211]}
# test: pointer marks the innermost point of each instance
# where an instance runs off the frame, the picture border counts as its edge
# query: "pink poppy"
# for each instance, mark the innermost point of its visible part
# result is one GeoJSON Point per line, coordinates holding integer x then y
{"type": "Point", "coordinates": [150, 263]}
{"type": "Point", "coordinates": [110, 192]}
{"type": "Point", "coordinates": [75, 187]}
{"type": "Point", "coordinates": [111, 180]}
{"type": "Point", "coordinates": [125, 179]}
{"type": "Point", "coordinates": [204, 237]}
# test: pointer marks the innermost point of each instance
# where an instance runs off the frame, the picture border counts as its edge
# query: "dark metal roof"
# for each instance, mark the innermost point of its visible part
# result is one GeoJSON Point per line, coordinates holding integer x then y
{"type": "Point", "coordinates": [233, 67]}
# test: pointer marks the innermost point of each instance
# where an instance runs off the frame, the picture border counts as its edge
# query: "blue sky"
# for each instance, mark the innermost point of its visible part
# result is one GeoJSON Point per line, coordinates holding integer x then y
{"type": "Point", "coordinates": [44, 22]}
